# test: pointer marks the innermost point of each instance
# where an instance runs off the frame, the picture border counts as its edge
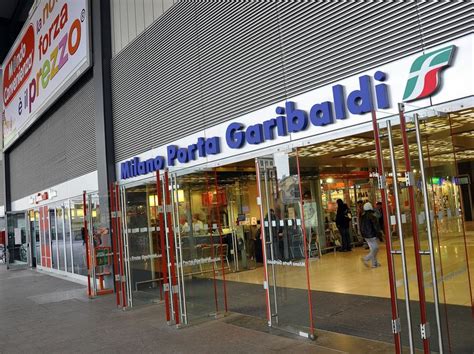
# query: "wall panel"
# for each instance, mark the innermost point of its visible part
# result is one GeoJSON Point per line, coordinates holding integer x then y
{"type": "Point", "coordinates": [60, 147]}
{"type": "Point", "coordinates": [203, 63]}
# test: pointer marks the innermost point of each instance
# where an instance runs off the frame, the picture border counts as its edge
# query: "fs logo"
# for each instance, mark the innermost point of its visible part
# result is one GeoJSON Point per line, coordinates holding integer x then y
{"type": "Point", "coordinates": [423, 79]}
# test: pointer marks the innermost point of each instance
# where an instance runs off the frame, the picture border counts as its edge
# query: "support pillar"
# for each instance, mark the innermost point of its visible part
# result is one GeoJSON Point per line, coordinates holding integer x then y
{"type": "Point", "coordinates": [102, 54]}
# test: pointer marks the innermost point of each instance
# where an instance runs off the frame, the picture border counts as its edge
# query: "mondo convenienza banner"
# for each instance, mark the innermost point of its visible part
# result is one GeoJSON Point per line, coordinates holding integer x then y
{"type": "Point", "coordinates": [51, 52]}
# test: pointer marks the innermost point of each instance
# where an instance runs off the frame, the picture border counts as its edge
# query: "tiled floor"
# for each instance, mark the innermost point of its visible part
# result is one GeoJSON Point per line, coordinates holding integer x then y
{"type": "Point", "coordinates": [344, 272]}
{"type": "Point", "coordinates": [45, 314]}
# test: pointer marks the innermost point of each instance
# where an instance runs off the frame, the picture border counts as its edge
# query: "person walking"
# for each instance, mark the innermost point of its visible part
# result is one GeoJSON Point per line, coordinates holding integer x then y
{"type": "Point", "coordinates": [343, 219]}
{"type": "Point", "coordinates": [370, 229]}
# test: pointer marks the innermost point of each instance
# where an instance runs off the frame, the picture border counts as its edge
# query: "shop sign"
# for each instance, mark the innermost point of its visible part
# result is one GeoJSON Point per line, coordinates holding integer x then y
{"type": "Point", "coordinates": [289, 119]}
{"type": "Point", "coordinates": [333, 107]}
{"type": "Point", "coordinates": [51, 51]}
{"type": "Point", "coordinates": [43, 196]}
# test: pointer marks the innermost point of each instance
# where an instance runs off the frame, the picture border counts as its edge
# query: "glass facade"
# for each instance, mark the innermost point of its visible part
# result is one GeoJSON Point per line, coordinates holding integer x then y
{"type": "Point", "coordinates": [275, 221]}
{"type": "Point", "coordinates": [56, 234]}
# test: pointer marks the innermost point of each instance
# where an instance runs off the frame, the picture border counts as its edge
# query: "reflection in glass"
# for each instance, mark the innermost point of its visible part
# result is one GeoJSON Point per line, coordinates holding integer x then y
{"type": "Point", "coordinates": [286, 251]}
{"type": "Point", "coordinates": [67, 238]}
{"type": "Point", "coordinates": [77, 234]}
{"type": "Point", "coordinates": [17, 239]}
{"type": "Point", "coordinates": [60, 237]}
{"type": "Point", "coordinates": [144, 244]}
{"type": "Point", "coordinates": [54, 241]}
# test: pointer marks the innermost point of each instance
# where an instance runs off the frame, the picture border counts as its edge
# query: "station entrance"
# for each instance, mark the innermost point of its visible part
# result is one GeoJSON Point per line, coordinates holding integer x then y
{"type": "Point", "coordinates": [260, 237]}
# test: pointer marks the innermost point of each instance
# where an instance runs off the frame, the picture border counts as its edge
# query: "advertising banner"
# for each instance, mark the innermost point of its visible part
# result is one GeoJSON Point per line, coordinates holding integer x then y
{"type": "Point", "coordinates": [51, 52]}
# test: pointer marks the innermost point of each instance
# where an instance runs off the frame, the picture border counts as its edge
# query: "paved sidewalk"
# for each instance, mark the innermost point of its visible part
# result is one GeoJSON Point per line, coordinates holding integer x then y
{"type": "Point", "coordinates": [44, 314]}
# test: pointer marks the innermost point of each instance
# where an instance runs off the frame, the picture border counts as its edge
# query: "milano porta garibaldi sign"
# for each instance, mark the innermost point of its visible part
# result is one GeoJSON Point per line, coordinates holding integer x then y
{"type": "Point", "coordinates": [50, 53]}
{"type": "Point", "coordinates": [370, 93]}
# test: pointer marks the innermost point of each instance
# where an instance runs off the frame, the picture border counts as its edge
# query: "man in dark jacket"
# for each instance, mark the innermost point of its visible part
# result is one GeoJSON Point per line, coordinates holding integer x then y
{"type": "Point", "coordinates": [343, 219]}
{"type": "Point", "coordinates": [370, 229]}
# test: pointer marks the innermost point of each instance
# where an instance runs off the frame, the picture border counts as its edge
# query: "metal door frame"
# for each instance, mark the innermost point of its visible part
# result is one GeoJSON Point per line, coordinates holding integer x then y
{"type": "Point", "coordinates": [262, 166]}
{"type": "Point", "coordinates": [174, 287]}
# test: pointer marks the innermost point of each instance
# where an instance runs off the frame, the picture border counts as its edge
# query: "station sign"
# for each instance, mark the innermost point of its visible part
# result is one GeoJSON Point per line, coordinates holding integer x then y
{"type": "Point", "coordinates": [288, 119]}
{"type": "Point", "coordinates": [422, 81]}
{"type": "Point", "coordinates": [51, 52]}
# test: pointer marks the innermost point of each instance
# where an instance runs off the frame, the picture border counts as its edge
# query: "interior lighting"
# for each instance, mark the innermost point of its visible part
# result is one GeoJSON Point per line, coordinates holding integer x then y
{"type": "Point", "coordinates": [152, 200]}
{"type": "Point", "coordinates": [180, 196]}
{"type": "Point", "coordinates": [330, 180]}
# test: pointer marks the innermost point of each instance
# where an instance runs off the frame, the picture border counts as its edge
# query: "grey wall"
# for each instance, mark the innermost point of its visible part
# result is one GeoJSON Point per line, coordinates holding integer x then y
{"type": "Point", "coordinates": [202, 63]}
{"type": "Point", "coordinates": [60, 147]}
{"type": "Point", "coordinates": [131, 17]}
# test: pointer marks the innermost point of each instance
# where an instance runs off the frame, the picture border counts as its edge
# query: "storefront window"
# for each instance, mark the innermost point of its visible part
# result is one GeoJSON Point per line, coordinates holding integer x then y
{"type": "Point", "coordinates": [60, 236]}
{"type": "Point", "coordinates": [54, 235]}
{"type": "Point", "coordinates": [67, 237]}
{"type": "Point", "coordinates": [78, 237]}
{"type": "Point", "coordinates": [144, 251]}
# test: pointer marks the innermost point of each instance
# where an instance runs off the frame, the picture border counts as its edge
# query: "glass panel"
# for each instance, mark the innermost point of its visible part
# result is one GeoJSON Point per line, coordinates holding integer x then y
{"type": "Point", "coordinates": [345, 169]}
{"type": "Point", "coordinates": [78, 237]}
{"type": "Point", "coordinates": [54, 241]}
{"type": "Point", "coordinates": [447, 150]}
{"type": "Point", "coordinates": [60, 233]}
{"type": "Point", "coordinates": [67, 237]}
{"type": "Point", "coordinates": [143, 244]}
{"type": "Point", "coordinates": [198, 216]}
{"type": "Point", "coordinates": [17, 239]}
{"type": "Point", "coordinates": [284, 237]}
{"type": "Point", "coordinates": [240, 225]}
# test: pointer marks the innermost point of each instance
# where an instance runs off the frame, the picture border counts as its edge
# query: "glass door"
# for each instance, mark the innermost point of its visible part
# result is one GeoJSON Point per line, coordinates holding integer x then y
{"type": "Point", "coordinates": [445, 146]}
{"type": "Point", "coordinates": [285, 246]}
{"type": "Point", "coordinates": [54, 238]}
{"type": "Point", "coordinates": [196, 244]}
{"type": "Point", "coordinates": [235, 200]}
{"type": "Point", "coordinates": [61, 240]}
{"type": "Point", "coordinates": [18, 243]}
{"type": "Point", "coordinates": [427, 242]}
{"type": "Point", "coordinates": [143, 256]}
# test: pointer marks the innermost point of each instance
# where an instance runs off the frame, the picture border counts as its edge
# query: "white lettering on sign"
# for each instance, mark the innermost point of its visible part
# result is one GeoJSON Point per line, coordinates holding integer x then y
{"type": "Point", "coordinates": [145, 257]}
{"type": "Point", "coordinates": [286, 263]}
